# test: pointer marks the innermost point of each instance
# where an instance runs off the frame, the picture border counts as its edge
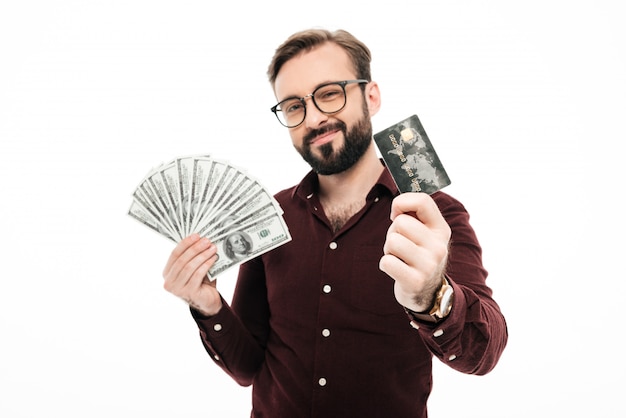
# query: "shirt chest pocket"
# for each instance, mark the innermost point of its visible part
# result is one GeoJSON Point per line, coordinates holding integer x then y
{"type": "Point", "coordinates": [371, 290]}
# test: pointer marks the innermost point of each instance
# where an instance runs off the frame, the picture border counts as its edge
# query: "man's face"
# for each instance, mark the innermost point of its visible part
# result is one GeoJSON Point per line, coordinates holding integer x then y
{"type": "Point", "coordinates": [329, 143]}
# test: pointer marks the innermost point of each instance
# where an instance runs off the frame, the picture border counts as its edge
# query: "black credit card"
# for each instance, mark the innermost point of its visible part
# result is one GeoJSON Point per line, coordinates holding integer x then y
{"type": "Point", "coordinates": [411, 158]}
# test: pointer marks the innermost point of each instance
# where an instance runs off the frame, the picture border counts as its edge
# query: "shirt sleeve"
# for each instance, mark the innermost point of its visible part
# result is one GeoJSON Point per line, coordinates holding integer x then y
{"type": "Point", "coordinates": [235, 337]}
{"type": "Point", "coordinates": [472, 337]}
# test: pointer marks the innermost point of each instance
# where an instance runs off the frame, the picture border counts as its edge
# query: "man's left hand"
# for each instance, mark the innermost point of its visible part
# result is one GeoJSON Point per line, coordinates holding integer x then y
{"type": "Point", "coordinates": [416, 250]}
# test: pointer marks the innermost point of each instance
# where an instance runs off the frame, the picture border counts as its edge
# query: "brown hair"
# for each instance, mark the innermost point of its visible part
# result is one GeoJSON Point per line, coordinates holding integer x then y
{"type": "Point", "coordinates": [306, 40]}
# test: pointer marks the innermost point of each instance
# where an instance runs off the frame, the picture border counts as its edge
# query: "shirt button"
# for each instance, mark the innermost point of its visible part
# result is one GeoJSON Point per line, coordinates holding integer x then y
{"type": "Point", "coordinates": [217, 327]}
{"type": "Point", "coordinates": [332, 245]}
{"type": "Point", "coordinates": [322, 381]}
{"type": "Point", "coordinates": [376, 200]}
{"type": "Point", "coordinates": [452, 357]}
{"type": "Point", "coordinates": [438, 333]}
{"type": "Point", "coordinates": [326, 332]}
{"type": "Point", "coordinates": [326, 288]}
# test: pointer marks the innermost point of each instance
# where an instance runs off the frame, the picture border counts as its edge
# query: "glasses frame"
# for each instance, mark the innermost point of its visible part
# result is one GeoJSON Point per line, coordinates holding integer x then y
{"type": "Point", "coordinates": [275, 109]}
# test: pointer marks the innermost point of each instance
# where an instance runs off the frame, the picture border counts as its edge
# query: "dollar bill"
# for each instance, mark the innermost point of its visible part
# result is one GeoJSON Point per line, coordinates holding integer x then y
{"type": "Point", "coordinates": [163, 198]}
{"type": "Point", "coordinates": [184, 167]}
{"type": "Point", "coordinates": [146, 197]}
{"type": "Point", "coordinates": [244, 243]}
{"type": "Point", "coordinates": [146, 217]}
{"type": "Point", "coordinates": [210, 190]}
{"type": "Point", "coordinates": [217, 200]}
{"type": "Point", "coordinates": [202, 172]}
{"type": "Point", "coordinates": [169, 174]}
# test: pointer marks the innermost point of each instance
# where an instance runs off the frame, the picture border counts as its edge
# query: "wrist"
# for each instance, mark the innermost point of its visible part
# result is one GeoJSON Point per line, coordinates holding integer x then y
{"type": "Point", "coordinates": [424, 301]}
{"type": "Point", "coordinates": [200, 314]}
{"type": "Point", "coordinates": [206, 311]}
{"type": "Point", "coordinates": [440, 307]}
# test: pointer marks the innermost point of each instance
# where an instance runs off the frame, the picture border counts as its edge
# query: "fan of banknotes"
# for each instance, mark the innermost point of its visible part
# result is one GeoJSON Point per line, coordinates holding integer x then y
{"type": "Point", "coordinates": [215, 199]}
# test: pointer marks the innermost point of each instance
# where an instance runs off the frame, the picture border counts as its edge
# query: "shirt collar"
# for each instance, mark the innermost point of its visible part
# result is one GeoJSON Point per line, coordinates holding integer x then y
{"type": "Point", "coordinates": [310, 184]}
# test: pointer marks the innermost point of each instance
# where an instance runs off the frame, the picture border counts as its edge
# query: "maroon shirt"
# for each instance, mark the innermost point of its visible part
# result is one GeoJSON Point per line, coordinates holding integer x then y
{"type": "Point", "coordinates": [315, 328]}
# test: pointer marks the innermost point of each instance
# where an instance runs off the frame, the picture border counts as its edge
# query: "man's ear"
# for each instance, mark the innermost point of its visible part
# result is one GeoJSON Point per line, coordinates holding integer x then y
{"type": "Point", "coordinates": [372, 97]}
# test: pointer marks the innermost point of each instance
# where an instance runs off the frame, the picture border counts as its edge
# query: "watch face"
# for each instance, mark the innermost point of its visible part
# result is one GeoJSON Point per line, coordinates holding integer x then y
{"type": "Point", "coordinates": [446, 301]}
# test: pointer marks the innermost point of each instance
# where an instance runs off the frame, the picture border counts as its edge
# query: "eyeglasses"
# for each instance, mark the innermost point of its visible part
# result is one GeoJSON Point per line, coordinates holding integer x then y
{"type": "Point", "coordinates": [328, 98]}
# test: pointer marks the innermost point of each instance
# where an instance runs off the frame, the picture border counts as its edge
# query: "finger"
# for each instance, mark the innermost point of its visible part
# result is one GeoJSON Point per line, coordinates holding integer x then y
{"type": "Point", "coordinates": [410, 227]}
{"type": "Point", "coordinates": [194, 263]}
{"type": "Point", "coordinates": [186, 251]}
{"type": "Point", "coordinates": [404, 275]}
{"type": "Point", "coordinates": [188, 277]}
{"type": "Point", "coordinates": [407, 250]}
{"type": "Point", "coordinates": [188, 254]}
{"type": "Point", "coordinates": [180, 248]}
{"type": "Point", "coordinates": [422, 206]}
{"type": "Point", "coordinates": [394, 267]}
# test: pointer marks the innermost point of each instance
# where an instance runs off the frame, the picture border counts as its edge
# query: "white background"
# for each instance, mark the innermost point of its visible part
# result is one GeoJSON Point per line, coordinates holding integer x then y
{"type": "Point", "coordinates": [524, 102]}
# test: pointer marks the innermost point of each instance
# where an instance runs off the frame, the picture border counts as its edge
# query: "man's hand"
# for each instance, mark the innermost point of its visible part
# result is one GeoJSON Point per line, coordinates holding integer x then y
{"type": "Point", "coordinates": [186, 271]}
{"type": "Point", "coordinates": [416, 250]}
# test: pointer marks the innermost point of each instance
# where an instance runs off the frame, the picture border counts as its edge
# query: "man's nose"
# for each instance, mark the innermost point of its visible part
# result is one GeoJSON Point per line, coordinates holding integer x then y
{"type": "Point", "coordinates": [313, 117]}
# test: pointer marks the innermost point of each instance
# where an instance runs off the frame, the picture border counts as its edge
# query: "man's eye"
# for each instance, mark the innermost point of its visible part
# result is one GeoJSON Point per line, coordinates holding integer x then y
{"type": "Point", "coordinates": [328, 94]}
{"type": "Point", "coordinates": [292, 107]}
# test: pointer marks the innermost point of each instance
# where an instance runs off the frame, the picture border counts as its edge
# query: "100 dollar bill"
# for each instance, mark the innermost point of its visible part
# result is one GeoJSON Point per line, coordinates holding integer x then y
{"type": "Point", "coordinates": [215, 199]}
{"type": "Point", "coordinates": [244, 243]}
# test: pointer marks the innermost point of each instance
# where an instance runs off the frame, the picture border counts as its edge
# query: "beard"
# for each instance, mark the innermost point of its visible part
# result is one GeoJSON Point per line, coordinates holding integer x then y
{"type": "Point", "coordinates": [333, 161]}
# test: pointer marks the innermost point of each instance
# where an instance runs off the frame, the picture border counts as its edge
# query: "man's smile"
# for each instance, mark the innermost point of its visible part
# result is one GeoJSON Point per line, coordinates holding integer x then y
{"type": "Point", "coordinates": [319, 137]}
{"type": "Point", "coordinates": [324, 138]}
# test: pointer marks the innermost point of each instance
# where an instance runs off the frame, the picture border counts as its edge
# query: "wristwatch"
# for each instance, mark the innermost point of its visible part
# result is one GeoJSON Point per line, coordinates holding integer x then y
{"type": "Point", "coordinates": [441, 307]}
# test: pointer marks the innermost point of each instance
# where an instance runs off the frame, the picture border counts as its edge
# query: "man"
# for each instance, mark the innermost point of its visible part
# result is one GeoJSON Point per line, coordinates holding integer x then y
{"type": "Point", "coordinates": [343, 321]}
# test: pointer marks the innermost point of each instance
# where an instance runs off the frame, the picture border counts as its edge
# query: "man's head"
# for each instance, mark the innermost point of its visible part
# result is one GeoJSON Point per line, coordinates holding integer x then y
{"type": "Point", "coordinates": [330, 140]}
{"type": "Point", "coordinates": [306, 40]}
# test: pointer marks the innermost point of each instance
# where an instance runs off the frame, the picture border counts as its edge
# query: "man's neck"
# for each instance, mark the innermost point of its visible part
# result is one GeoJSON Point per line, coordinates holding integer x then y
{"type": "Point", "coordinates": [351, 186]}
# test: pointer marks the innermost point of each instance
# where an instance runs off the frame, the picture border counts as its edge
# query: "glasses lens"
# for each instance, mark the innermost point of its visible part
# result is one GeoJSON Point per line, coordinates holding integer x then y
{"type": "Point", "coordinates": [330, 98]}
{"type": "Point", "coordinates": [290, 112]}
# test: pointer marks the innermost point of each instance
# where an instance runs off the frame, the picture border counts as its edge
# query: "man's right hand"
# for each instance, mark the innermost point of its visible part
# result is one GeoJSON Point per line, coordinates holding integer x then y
{"type": "Point", "coordinates": [186, 276]}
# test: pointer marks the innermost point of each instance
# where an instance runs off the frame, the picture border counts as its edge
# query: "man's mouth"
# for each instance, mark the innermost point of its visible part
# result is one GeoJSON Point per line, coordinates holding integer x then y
{"type": "Point", "coordinates": [322, 136]}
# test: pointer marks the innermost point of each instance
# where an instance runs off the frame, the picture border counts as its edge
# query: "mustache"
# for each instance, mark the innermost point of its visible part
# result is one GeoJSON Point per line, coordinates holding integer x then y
{"type": "Point", "coordinates": [326, 128]}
